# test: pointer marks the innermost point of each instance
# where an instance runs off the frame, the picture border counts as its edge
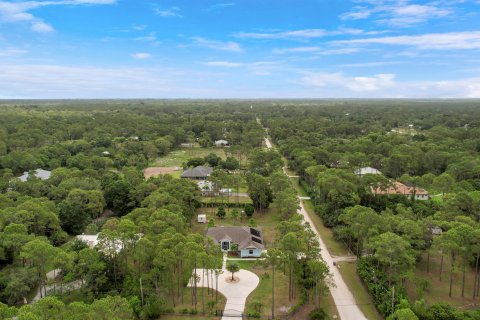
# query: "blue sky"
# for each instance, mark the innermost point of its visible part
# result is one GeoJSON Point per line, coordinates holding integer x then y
{"type": "Point", "coordinates": [240, 49]}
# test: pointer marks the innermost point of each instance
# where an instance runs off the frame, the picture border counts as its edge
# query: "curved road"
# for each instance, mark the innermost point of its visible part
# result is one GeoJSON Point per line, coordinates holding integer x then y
{"type": "Point", "coordinates": [342, 296]}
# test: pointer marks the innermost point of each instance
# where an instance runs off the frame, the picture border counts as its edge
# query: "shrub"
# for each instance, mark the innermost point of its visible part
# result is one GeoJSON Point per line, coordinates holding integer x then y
{"type": "Point", "coordinates": [221, 213]}
{"type": "Point", "coordinates": [249, 210]}
{"type": "Point", "coordinates": [317, 314]}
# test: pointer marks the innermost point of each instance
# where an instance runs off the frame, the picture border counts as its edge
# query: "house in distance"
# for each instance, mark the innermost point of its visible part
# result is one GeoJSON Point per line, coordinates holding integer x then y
{"type": "Point", "coordinates": [399, 188]}
{"type": "Point", "coordinates": [248, 242]}
{"type": "Point", "coordinates": [366, 170]}
{"type": "Point", "coordinates": [221, 143]}
{"type": "Point", "coordinates": [39, 173]}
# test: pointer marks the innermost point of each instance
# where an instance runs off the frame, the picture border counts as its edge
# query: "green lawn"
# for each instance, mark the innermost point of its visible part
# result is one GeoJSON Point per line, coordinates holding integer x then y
{"type": "Point", "coordinates": [176, 174]}
{"type": "Point", "coordinates": [246, 264]}
{"type": "Point", "coordinates": [180, 156]}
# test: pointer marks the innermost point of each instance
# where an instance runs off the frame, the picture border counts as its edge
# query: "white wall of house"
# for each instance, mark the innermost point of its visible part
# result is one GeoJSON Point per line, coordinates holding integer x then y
{"type": "Point", "coordinates": [250, 253]}
{"type": "Point", "coordinates": [422, 197]}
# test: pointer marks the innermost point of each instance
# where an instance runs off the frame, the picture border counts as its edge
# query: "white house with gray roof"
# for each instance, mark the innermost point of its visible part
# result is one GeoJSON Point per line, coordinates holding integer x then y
{"type": "Point", "coordinates": [246, 240]}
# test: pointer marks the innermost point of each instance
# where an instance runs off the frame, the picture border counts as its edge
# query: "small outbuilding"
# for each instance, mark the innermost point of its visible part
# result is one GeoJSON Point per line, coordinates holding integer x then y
{"type": "Point", "coordinates": [202, 218]}
{"type": "Point", "coordinates": [221, 143]}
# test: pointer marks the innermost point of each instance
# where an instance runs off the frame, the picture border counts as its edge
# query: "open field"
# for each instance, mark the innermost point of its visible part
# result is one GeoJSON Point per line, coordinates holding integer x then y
{"type": "Point", "coordinates": [180, 156]}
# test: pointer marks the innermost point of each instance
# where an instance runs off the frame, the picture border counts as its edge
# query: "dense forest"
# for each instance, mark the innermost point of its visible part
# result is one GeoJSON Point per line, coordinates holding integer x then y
{"type": "Point", "coordinates": [95, 153]}
{"type": "Point", "coordinates": [418, 259]}
{"type": "Point", "coordinates": [430, 145]}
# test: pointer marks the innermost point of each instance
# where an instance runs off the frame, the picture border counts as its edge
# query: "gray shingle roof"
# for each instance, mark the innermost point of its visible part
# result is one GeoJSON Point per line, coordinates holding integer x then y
{"type": "Point", "coordinates": [245, 237]}
{"type": "Point", "coordinates": [197, 172]}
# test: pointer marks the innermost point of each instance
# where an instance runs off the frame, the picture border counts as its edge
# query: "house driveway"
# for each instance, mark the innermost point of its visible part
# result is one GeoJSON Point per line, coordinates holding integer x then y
{"type": "Point", "coordinates": [235, 293]}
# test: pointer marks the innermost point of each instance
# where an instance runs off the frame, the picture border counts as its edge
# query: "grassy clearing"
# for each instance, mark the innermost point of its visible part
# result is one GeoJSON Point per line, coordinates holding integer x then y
{"type": "Point", "coordinates": [178, 157]}
{"type": "Point", "coordinates": [437, 290]}
{"type": "Point", "coordinates": [359, 291]}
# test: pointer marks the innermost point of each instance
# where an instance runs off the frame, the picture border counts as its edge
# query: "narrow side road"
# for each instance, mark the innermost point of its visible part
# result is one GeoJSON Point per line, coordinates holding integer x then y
{"type": "Point", "coordinates": [342, 296]}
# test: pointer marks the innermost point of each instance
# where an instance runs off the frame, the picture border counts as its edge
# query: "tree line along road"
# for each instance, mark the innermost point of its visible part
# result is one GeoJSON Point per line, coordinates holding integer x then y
{"type": "Point", "coordinates": [342, 296]}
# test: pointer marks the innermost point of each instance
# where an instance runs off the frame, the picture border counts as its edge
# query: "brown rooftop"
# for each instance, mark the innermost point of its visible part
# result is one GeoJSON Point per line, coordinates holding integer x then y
{"type": "Point", "coordinates": [399, 188]}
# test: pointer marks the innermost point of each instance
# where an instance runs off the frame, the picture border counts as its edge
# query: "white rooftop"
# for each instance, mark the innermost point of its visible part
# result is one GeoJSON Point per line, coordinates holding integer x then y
{"type": "Point", "coordinates": [39, 173]}
{"type": "Point", "coordinates": [367, 170]}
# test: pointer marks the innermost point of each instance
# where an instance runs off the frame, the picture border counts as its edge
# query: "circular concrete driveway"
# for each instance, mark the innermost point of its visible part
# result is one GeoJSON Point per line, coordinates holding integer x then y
{"type": "Point", "coordinates": [235, 293]}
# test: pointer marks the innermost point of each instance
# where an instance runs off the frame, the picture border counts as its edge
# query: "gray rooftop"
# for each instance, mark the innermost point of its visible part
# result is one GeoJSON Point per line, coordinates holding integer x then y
{"type": "Point", "coordinates": [245, 237]}
{"type": "Point", "coordinates": [197, 172]}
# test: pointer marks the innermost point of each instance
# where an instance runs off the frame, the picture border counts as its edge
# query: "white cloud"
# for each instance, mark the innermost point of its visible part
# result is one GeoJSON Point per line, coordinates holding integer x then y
{"type": "Point", "coordinates": [41, 27]}
{"type": "Point", "coordinates": [150, 38]}
{"type": "Point", "coordinates": [302, 34]}
{"type": "Point", "coordinates": [55, 81]}
{"type": "Point", "coordinates": [356, 84]}
{"type": "Point", "coordinates": [438, 41]}
{"type": "Point", "coordinates": [399, 13]}
{"type": "Point", "coordinates": [18, 12]}
{"type": "Point", "coordinates": [172, 12]}
{"type": "Point", "coordinates": [339, 85]}
{"type": "Point", "coordinates": [217, 45]}
{"type": "Point", "coordinates": [139, 27]}
{"type": "Point", "coordinates": [294, 34]}
{"type": "Point", "coordinates": [258, 68]}
{"type": "Point", "coordinates": [316, 50]}
{"type": "Point", "coordinates": [141, 56]}
{"type": "Point", "coordinates": [12, 52]}
{"type": "Point", "coordinates": [224, 64]}
{"type": "Point", "coordinates": [222, 5]}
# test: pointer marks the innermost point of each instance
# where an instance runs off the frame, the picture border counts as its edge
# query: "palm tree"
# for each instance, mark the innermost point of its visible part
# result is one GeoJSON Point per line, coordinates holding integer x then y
{"type": "Point", "coordinates": [233, 267]}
